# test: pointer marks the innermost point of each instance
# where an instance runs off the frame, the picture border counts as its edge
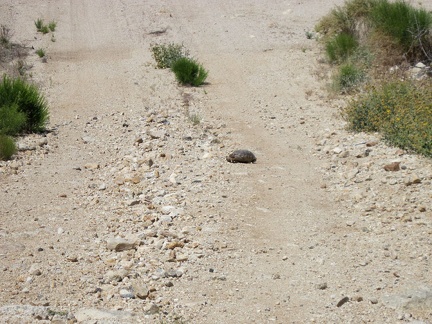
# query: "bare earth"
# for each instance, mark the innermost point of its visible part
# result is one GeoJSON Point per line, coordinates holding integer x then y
{"type": "Point", "coordinates": [127, 212]}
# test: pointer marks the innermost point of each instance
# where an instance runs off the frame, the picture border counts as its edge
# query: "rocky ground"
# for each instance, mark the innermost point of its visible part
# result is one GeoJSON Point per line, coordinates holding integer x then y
{"type": "Point", "coordinates": [126, 210]}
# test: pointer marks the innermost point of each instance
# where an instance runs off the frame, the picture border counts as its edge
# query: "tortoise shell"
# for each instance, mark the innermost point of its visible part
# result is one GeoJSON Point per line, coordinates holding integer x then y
{"type": "Point", "coordinates": [241, 156]}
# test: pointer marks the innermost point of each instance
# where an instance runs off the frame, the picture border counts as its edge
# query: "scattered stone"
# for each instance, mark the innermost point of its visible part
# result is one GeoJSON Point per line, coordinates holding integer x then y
{"type": "Point", "coordinates": [121, 244]}
{"type": "Point", "coordinates": [394, 166]}
{"type": "Point", "coordinates": [115, 276]}
{"type": "Point", "coordinates": [373, 301]}
{"type": "Point", "coordinates": [412, 179]}
{"type": "Point", "coordinates": [35, 269]}
{"type": "Point", "coordinates": [342, 301]}
{"type": "Point", "coordinates": [91, 166]}
{"type": "Point", "coordinates": [126, 293]}
{"type": "Point", "coordinates": [132, 202]}
{"type": "Point", "coordinates": [337, 150]}
{"type": "Point", "coordinates": [321, 286]}
{"type": "Point", "coordinates": [140, 289]}
{"type": "Point", "coordinates": [357, 298]}
{"type": "Point", "coordinates": [151, 309]}
{"type": "Point", "coordinates": [371, 143]}
{"type": "Point", "coordinates": [156, 134]}
{"type": "Point", "coordinates": [72, 258]}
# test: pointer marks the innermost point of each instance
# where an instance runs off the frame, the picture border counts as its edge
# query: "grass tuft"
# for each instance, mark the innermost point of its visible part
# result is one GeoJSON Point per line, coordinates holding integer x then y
{"type": "Point", "coordinates": [40, 52]}
{"type": "Point", "coordinates": [7, 147]}
{"type": "Point", "coordinates": [348, 77]}
{"type": "Point", "coordinates": [189, 72]}
{"type": "Point", "coordinates": [28, 100]}
{"type": "Point", "coordinates": [12, 121]}
{"type": "Point", "coordinates": [341, 47]}
{"type": "Point", "coordinates": [39, 24]}
{"type": "Point", "coordinates": [52, 25]}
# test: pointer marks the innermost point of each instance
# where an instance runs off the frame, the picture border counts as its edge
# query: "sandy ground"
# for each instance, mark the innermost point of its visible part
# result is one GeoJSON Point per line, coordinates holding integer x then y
{"type": "Point", "coordinates": [278, 241]}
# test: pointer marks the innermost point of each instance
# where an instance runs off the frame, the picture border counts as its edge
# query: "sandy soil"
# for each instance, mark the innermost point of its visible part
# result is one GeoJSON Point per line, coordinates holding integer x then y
{"type": "Point", "coordinates": [289, 239]}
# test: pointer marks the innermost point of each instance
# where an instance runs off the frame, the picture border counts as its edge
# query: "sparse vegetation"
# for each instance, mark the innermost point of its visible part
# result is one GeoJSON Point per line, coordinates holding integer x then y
{"type": "Point", "coordinates": [39, 24]}
{"type": "Point", "coordinates": [22, 67]}
{"type": "Point", "coordinates": [45, 29]}
{"type": "Point", "coordinates": [309, 35]}
{"type": "Point", "coordinates": [365, 21]}
{"type": "Point", "coordinates": [363, 38]}
{"type": "Point", "coordinates": [189, 72]}
{"type": "Point", "coordinates": [52, 25]}
{"type": "Point", "coordinates": [407, 26]}
{"type": "Point", "coordinates": [40, 52]}
{"type": "Point", "coordinates": [195, 118]}
{"type": "Point", "coordinates": [5, 36]}
{"type": "Point", "coordinates": [166, 54]}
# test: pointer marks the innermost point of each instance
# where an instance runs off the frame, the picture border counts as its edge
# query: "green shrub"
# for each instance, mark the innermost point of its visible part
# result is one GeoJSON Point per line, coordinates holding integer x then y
{"type": "Point", "coordinates": [166, 54]}
{"type": "Point", "coordinates": [410, 27]}
{"type": "Point", "coordinates": [401, 111]}
{"type": "Point", "coordinates": [348, 77]}
{"type": "Point", "coordinates": [28, 100]}
{"type": "Point", "coordinates": [188, 71]}
{"type": "Point", "coordinates": [341, 47]}
{"type": "Point", "coordinates": [40, 52]}
{"type": "Point", "coordinates": [7, 147]}
{"type": "Point", "coordinates": [12, 120]}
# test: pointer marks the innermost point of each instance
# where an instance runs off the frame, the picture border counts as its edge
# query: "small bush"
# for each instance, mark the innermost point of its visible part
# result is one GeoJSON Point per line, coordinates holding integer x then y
{"type": "Point", "coordinates": [28, 100]}
{"type": "Point", "coordinates": [12, 120]}
{"type": "Point", "coordinates": [341, 47]}
{"type": "Point", "coordinates": [7, 147]}
{"type": "Point", "coordinates": [188, 71]}
{"type": "Point", "coordinates": [401, 111]}
{"type": "Point", "coordinates": [166, 54]}
{"type": "Point", "coordinates": [40, 52]}
{"type": "Point", "coordinates": [52, 25]}
{"type": "Point", "coordinates": [348, 77]}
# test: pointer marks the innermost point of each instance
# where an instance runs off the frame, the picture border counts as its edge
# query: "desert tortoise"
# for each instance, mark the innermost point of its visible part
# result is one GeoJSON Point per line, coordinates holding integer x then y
{"type": "Point", "coordinates": [241, 156]}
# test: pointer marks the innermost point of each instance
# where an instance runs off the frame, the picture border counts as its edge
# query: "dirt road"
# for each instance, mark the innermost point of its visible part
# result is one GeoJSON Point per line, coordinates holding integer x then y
{"type": "Point", "coordinates": [285, 240]}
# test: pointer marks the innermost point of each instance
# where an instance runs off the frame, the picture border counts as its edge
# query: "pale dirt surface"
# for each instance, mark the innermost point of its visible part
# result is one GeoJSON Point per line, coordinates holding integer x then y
{"type": "Point", "coordinates": [284, 240]}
